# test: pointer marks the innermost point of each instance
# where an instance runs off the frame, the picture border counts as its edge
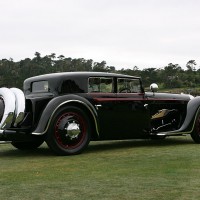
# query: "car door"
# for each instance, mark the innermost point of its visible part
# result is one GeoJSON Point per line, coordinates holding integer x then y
{"type": "Point", "coordinates": [103, 96]}
{"type": "Point", "coordinates": [133, 116]}
{"type": "Point", "coordinates": [120, 105]}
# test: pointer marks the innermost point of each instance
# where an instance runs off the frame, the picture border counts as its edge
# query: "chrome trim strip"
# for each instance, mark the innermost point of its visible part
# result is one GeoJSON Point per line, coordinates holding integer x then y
{"type": "Point", "coordinates": [65, 102]}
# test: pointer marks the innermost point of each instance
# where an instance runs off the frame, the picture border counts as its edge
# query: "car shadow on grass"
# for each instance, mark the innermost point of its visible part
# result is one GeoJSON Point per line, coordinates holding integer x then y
{"type": "Point", "coordinates": [7, 150]}
{"type": "Point", "coordinates": [122, 144]}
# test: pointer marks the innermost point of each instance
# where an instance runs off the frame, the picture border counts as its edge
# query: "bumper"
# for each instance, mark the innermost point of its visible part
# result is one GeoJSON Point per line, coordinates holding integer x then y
{"type": "Point", "coordinates": [14, 135]}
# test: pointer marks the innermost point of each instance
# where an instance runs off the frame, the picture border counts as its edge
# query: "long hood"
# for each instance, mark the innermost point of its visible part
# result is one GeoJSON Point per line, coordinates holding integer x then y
{"type": "Point", "coordinates": [184, 97]}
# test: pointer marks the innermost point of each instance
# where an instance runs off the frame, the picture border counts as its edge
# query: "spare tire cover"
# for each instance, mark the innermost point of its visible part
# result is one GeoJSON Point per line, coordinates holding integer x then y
{"type": "Point", "coordinates": [9, 102]}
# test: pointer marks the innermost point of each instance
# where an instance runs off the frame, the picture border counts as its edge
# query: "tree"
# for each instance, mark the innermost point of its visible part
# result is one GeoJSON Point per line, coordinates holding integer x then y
{"type": "Point", "coordinates": [171, 76]}
{"type": "Point", "coordinates": [61, 57]}
{"type": "Point", "coordinates": [100, 67]}
{"type": "Point", "coordinates": [37, 57]}
{"type": "Point", "coordinates": [12, 74]}
{"type": "Point", "coordinates": [149, 75]}
{"type": "Point", "coordinates": [191, 65]}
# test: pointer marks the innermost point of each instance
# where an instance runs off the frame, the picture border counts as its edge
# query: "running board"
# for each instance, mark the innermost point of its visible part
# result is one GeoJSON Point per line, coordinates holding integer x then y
{"type": "Point", "coordinates": [170, 134]}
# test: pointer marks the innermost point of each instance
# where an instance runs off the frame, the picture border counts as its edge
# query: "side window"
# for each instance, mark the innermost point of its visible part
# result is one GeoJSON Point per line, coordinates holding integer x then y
{"type": "Point", "coordinates": [106, 85]}
{"type": "Point", "coordinates": [128, 85]}
{"type": "Point", "coordinates": [40, 86]}
{"type": "Point", "coordinates": [100, 84]}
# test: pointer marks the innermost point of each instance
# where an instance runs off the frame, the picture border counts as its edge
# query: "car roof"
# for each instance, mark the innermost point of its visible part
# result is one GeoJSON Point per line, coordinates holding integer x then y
{"type": "Point", "coordinates": [76, 74]}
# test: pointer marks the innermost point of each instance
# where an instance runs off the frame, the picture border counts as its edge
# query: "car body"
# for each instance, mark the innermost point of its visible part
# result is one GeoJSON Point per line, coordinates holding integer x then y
{"type": "Point", "coordinates": [68, 110]}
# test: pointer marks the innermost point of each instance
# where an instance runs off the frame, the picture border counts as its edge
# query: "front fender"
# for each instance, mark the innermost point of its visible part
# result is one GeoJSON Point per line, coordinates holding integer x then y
{"type": "Point", "coordinates": [55, 104]}
{"type": "Point", "coordinates": [192, 111]}
{"type": "Point", "coordinates": [193, 108]}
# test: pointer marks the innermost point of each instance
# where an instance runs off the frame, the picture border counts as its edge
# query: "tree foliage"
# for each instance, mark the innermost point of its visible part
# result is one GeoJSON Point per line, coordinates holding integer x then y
{"type": "Point", "coordinates": [12, 74]}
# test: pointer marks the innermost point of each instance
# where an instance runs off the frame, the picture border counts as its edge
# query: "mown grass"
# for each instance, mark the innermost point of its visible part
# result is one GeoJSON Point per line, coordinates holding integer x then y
{"type": "Point", "coordinates": [138, 169]}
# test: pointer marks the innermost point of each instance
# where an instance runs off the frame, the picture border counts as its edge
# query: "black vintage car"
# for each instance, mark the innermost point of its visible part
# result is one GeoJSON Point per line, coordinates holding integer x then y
{"type": "Point", "coordinates": [68, 110]}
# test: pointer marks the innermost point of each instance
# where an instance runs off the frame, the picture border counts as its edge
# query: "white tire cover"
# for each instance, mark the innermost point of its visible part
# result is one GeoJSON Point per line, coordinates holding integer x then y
{"type": "Point", "coordinates": [19, 104]}
{"type": "Point", "coordinates": [9, 101]}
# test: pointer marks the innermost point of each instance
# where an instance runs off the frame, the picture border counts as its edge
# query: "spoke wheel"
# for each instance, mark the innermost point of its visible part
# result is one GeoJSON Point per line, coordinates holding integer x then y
{"type": "Point", "coordinates": [69, 131]}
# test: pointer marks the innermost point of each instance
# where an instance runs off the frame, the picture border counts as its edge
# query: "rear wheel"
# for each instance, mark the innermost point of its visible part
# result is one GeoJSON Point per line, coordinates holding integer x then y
{"type": "Point", "coordinates": [196, 131]}
{"type": "Point", "coordinates": [69, 132]}
{"type": "Point", "coordinates": [29, 145]}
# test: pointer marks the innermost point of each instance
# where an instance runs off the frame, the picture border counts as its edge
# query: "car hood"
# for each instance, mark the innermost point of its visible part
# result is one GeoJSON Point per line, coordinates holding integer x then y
{"type": "Point", "coordinates": [185, 97]}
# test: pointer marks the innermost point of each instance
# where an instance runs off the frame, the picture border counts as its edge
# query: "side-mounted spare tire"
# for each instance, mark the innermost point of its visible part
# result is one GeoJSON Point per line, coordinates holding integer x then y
{"type": "Point", "coordinates": [12, 107]}
{"type": "Point", "coordinates": [7, 99]}
{"type": "Point", "coordinates": [69, 132]}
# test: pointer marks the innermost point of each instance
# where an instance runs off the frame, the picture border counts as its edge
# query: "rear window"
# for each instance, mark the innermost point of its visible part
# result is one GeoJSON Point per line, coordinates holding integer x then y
{"type": "Point", "coordinates": [40, 86]}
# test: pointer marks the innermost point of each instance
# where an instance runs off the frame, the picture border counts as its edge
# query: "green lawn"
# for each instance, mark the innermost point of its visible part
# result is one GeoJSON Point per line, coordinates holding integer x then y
{"type": "Point", "coordinates": [139, 169]}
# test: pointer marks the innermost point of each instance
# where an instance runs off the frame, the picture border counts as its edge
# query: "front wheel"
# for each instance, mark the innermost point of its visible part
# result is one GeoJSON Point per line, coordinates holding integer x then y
{"type": "Point", "coordinates": [69, 131]}
{"type": "Point", "coordinates": [196, 131]}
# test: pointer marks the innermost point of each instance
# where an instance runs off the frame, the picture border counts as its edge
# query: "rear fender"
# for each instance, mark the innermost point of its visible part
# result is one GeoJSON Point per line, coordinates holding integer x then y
{"type": "Point", "coordinates": [58, 102]}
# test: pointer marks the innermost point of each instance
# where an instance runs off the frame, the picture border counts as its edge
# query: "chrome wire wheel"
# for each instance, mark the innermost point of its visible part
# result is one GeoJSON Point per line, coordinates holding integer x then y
{"type": "Point", "coordinates": [69, 131]}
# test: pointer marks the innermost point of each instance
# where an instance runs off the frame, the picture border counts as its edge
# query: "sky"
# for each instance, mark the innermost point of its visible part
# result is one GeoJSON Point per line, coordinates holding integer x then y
{"type": "Point", "coordinates": [124, 33]}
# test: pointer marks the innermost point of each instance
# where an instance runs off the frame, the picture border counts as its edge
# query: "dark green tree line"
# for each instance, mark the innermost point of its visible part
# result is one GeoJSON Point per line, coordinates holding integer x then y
{"type": "Point", "coordinates": [12, 74]}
